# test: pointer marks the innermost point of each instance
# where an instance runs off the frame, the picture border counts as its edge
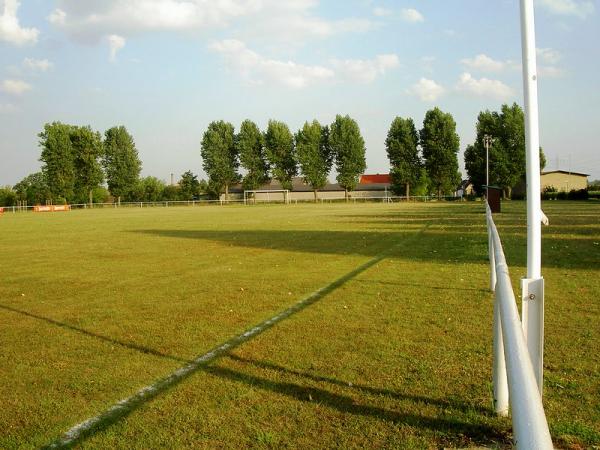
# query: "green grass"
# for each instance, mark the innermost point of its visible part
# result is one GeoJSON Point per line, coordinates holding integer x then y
{"type": "Point", "coordinates": [96, 304]}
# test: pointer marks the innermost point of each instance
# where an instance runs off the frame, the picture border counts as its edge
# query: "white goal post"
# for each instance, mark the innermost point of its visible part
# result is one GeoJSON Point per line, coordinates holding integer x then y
{"type": "Point", "coordinates": [251, 195]}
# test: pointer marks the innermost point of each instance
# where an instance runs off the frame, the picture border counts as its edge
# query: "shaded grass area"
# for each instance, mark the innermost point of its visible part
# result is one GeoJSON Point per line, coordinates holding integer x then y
{"type": "Point", "coordinates": [397, 356]}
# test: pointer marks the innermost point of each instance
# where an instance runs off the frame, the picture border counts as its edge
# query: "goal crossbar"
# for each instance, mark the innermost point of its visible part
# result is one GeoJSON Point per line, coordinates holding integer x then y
{"type": "Point", "coordinates": [285, 193]}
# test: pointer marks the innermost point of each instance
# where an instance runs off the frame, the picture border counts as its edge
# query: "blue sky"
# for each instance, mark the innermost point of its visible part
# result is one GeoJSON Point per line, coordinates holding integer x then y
{"type": "Point", "coordinates": [166, 68]}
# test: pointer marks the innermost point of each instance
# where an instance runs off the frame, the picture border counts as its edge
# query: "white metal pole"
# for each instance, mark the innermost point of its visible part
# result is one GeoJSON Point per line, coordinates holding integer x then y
{"type": "Point", "coordinates": [533, 302]}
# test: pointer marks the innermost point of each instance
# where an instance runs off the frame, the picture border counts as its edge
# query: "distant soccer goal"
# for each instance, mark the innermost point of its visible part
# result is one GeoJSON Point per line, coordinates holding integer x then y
{"type": "Point", "coordinates": [266, 195]}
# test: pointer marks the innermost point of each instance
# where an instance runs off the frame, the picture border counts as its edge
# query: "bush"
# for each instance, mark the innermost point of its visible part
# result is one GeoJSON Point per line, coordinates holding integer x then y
{"type": "Point", "coordinates": [581, 194]}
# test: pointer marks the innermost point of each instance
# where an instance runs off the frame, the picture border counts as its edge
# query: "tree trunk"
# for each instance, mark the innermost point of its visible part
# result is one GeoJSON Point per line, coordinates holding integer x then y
{"type": "Point", "coordinates": [346, 195]}
{"type": "Point", "coordinates": [91, 198]}
{"type": "Point", "coordinates": [226, 192]}
{"type": "Point", "coordinates": [407, 191]}
{"type": "Point", "coordinates": [316, 195]}
{"type": "Point", "coordinates": [119, 200]}
{"type": "Point", "coordinates": [439, 192]}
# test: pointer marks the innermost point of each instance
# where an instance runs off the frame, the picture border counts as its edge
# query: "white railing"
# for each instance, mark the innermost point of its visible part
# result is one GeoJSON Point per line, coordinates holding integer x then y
{"type": "Point", "coordinates": [514, 379]}
{"type": "Point", "coordinates": [232, 201]}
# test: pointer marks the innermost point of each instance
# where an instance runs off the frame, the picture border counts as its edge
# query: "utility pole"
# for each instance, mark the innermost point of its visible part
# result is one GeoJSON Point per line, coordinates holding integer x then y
{"type": "Point", "coordinates": [487, 141]}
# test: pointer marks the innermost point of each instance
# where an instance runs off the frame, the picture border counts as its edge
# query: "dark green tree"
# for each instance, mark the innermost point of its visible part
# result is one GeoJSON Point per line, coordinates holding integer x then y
{"type": "Point", "coordinates": [314, 154]}
{"type": "Point", "coordinates": [402, 149]}
{"type": "Point", "coordinates": [171, 193]}
{"type": "Point", "coordinates": [348, 146]}
{"type": "Point", "coordinates": [506, 152]}
{"type": "Point", "coordinates": [440, 144]}
{"type": "Point", "coordinates": [219, 156]}
{"type": "Point", "coordinates": [121, 162]}
{"type": "Point", "coordinates": [8, 197]}
{"type": "Point", "coordinates": [280, 151]}
{"type": "Point", "coordinates": [189, 186]}
{"type": "Point", "coordinates": [58, 160]}
{"type": "Point", "coordinates": [147, 189]}
{"type": "Point", "coordinates": [87, 150]}
{"type": "Point", "coordinates": [33, 189]}
{"type": "Point", "coordinates": [250, 144]}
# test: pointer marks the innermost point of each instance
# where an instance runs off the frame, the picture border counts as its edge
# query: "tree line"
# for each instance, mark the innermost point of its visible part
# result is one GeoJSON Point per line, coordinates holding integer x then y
{"type": "Point", "coordinates": [77, 160]}
{"type": "Point", "coordinates": [426, 160]}
{"type": "Point", "coordinates": [80, 165]}
{"type": "Point", "coordinates": [279, 154]}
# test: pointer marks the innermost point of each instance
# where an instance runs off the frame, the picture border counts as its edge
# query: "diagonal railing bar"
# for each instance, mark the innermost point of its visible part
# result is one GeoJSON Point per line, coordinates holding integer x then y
{"type": "Point", "coordinates": [514, 377]}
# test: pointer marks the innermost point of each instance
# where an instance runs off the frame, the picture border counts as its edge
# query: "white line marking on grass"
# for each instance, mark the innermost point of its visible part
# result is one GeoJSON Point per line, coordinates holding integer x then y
{"type": "Point", "coordinates": [126, 405]}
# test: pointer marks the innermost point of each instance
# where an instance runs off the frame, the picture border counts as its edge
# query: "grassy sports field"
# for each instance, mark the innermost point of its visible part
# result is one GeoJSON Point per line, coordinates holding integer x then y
{"type": "Point", "coordinates": [394, 351]}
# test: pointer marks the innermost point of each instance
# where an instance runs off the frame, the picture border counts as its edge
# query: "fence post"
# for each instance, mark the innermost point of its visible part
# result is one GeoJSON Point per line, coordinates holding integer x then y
{"type": "Point", "coordinates": [499, 376]}
{"type": "Point", "coordinates": [491, 254]}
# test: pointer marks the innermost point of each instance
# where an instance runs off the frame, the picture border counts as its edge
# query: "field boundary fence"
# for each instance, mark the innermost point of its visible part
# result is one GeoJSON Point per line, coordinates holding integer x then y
{"type": "Point", "coordinates": [236, 201]}
{"type": "Point", "coordinates": [514, 380]}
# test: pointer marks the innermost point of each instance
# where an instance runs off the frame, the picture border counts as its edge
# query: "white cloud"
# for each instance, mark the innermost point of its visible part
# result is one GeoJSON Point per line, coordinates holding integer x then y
{"type": "Point", "coordinates": [15, 87]}
{"type": "Point", "coordinates": [427, 90]}
{"type": "Point", "coordinates": [549, 55]}
{"type": "Point", "coordinates": [57, 17]}
{"type": "Point", "coordinates": [115, 43]}
{"type": "Point", "coordinates": [411, 15]}
{"type": "Point", "coordinates": [10, 30]}
{"type": "Point", "coordinates": [484, 87]}
{"type": "Point", "coordinates": [484, 63]}
{"type": "Point", "coordinates": [382, 12]}
{"type": "Point", "coordinates": [258, 69]}
{"type": "Point", "coordinates": [290, 20]}
{"type": "Point", "coordinates": [580, 9]}
{"type": "Point", "coordinates": [365, 71]}
{"type": "Point", "coordinates": [38, 65]}
{"type": "Point", "coordinates": [551, 72]}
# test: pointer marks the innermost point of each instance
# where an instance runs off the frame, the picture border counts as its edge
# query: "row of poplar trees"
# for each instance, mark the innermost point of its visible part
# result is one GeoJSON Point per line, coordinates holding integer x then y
{"type": "Point", "coordinates": [75, 160]}
{"type": "Point", "coordinates": [426, 156]}
{"type": "Point", "coordinates": [279, 154]}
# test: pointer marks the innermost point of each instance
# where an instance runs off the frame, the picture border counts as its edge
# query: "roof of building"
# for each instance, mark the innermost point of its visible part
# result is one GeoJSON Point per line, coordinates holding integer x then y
{"type": "Point", "coordinates": [375, 179]}
{"type": "Point", "coordinates": [566, 172]}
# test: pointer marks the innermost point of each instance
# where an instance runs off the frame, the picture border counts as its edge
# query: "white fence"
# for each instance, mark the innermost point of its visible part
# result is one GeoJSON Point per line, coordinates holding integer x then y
{"type": "Point", "coordinates": [513, 375]}
{"type": "Point", "coordinates": [233, 201]}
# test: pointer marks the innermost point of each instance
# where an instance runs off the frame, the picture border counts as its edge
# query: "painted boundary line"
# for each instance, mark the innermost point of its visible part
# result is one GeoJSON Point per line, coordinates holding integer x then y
{"type": "Point", "coordinates": [123, 407]}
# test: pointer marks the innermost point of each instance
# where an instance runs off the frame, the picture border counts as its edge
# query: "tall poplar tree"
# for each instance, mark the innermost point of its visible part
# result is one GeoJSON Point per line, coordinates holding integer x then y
{"type": "Point", "coordinates": [314, 154]}
{"type": "Point", "coordinates": [58, 160]}
{"type": "Point", "coordinates": [250, 144]}
{"type": "Point", "coordinates": [121, 162]}
{"type": "Point", "coordinates": [280, 151]}
{"type": "Point", "coordinates": [219, 156]}
{"type": "Point", "coordinates": [440, 144]}
{"type": "Point", "coordinates": [402, 149]}
{"type": "Point", "coordinates": [87, 150]}
{"type": "Point", "coordinates": [348, 146]}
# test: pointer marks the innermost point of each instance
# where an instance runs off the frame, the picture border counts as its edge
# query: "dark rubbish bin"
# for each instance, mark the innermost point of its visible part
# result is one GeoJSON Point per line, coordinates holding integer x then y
{"type": "Point", "coordinates": [494, 194]}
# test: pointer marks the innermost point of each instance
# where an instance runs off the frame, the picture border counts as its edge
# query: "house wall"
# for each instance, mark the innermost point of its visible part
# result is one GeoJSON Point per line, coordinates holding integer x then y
{"type": "Point", "coordinates": [563, 181]}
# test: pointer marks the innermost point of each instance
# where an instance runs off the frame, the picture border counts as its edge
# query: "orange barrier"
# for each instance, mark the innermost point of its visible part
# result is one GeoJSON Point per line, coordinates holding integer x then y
{"type": "Point", "coordinates": [1, 210]}
{"type": "Point", "coordinates": [51, 208]}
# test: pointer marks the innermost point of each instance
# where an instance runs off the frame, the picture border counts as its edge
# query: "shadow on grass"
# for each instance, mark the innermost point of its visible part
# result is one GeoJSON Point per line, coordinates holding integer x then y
{"type": "Point", "coordinates": [128, 345]}
{"type": "Point", "coordinates": [450, 429]}
{"type": "Point", "coordinates": [453, 244]}
{"type": "Point", "coordinates": [454, 405]}
{"type": "Point", "coordinates": [126, 406]}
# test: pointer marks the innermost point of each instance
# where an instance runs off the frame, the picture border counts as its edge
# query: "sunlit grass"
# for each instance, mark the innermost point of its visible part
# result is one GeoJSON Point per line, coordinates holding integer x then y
{"type": "Point", "coordinates": [97, 304]}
